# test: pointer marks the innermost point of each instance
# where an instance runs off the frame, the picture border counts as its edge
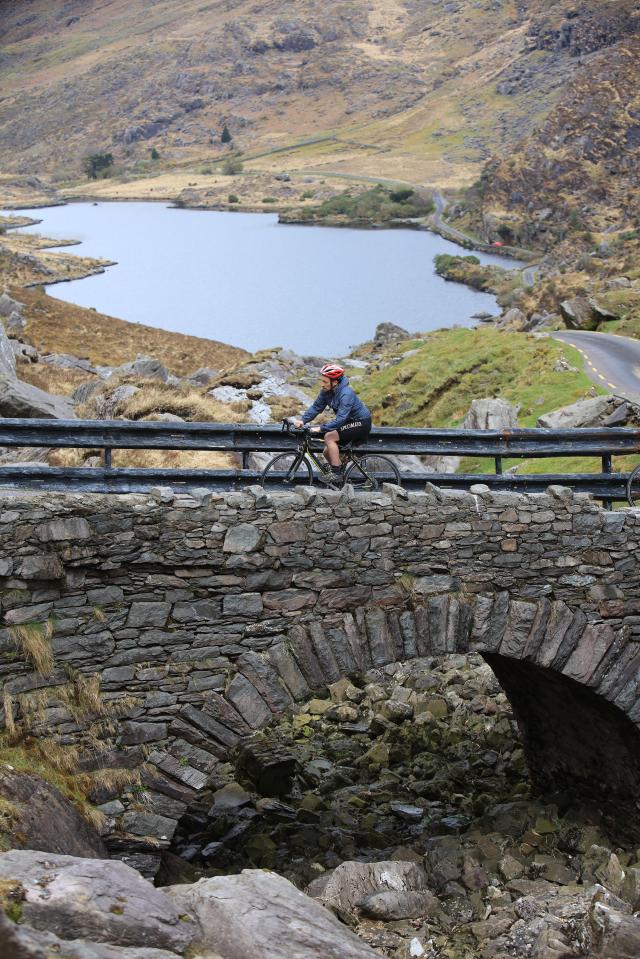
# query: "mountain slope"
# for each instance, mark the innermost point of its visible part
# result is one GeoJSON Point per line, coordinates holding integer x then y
{"type": "Point", "coordinates": [418, 91]}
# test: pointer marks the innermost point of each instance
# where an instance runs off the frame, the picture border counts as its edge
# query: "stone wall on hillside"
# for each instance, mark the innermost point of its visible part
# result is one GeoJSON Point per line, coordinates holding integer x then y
{"type": "Point", "coordinates": [202, 617]}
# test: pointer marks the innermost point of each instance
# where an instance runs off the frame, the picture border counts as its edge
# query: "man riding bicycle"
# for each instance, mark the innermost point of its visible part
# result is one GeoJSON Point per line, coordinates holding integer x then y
{"type": "Point", "coordinates": [351, 423]}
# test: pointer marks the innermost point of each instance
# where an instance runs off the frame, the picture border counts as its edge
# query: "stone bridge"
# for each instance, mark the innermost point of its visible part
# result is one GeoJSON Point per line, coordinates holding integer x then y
{"type": "Point", "coordinates": [202, 617]}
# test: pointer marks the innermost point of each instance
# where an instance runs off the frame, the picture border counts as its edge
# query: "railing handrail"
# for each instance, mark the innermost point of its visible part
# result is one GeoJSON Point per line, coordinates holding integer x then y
{"type": "Point", "coordinates": [244, 437]}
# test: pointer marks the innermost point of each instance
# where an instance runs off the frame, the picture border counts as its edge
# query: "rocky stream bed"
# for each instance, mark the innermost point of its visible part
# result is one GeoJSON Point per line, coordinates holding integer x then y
{"type": "Point", "coordinates": [404, 805]}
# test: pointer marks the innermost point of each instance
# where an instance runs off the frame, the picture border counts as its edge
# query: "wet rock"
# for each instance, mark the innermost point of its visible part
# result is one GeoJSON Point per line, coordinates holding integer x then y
{"type": "Point", "coordinates": [230, 798]}
{"type": "Point", "coordinates": [258, 913]}
{"type": "Point", "coordinates": [268, 766]}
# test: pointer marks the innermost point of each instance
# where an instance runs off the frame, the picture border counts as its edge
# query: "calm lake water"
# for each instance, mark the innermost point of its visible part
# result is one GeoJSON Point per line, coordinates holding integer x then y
{"type": "Point", "coordinates": [244, 279]}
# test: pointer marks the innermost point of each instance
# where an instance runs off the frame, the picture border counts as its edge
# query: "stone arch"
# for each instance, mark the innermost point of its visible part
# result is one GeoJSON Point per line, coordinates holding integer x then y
{"type": "Point", "coordinates": [550, 661]}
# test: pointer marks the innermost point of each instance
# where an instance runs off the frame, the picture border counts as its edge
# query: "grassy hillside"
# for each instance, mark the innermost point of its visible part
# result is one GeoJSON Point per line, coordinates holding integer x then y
{"type": "Point", "coordinates": [58, 327]}
{"type": "Point", "coordinates": [435, 386]}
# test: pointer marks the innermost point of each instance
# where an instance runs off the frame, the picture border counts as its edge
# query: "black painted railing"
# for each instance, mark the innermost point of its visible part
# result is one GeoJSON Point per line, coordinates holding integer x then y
{"type": "Point", "coordinates": [242, 440]}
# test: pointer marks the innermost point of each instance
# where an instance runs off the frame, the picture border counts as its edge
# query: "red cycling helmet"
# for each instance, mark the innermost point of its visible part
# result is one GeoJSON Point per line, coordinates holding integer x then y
{"type": "Point", "coordinates": [332, 371]}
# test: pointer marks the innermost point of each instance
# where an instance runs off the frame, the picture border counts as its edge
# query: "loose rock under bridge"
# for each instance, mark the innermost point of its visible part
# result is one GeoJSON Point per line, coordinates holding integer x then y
{"type": "Point", "coordinates": [207, 617]}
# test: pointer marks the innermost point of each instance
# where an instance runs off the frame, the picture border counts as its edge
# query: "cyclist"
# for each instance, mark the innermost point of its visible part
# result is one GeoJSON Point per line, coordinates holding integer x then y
{"type": "Point", "coordinates": [351, 423]}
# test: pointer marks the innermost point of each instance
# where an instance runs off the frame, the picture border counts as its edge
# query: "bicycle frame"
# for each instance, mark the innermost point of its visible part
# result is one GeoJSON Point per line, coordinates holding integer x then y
{"type": "Point", "coordinates": [306, 450]}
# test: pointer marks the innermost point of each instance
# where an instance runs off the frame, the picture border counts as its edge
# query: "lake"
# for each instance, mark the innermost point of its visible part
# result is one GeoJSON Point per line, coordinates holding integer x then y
{"type": "Point", "coordinates": [247, 280]}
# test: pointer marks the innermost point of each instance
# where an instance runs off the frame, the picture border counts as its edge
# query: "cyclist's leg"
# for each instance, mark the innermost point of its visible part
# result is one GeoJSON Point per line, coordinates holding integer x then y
{"type": "Point", "coordinates": [332, 448]}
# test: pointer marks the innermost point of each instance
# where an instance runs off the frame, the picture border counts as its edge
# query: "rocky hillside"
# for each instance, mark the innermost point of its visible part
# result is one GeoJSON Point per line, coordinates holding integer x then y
{"type": "Point", "coordinates": [579, 172]}
{"type": "Point", "coordinates": [415, 91]}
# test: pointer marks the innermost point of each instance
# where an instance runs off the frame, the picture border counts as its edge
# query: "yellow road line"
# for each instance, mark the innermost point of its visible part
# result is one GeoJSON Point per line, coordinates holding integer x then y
{"type": "Point", "coordinates": [612, 385]}
{"type": "Point", "coordinates": [601, 376]}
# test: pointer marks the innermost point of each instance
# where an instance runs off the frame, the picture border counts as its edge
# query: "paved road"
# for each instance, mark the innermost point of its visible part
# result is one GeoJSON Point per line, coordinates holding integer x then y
{"type": "Point", "coordinates": [610, 361]}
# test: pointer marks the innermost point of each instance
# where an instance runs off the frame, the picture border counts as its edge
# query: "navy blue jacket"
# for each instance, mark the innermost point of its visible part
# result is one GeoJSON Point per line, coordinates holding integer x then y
{"type": "Point", "coordinates": [344, 402]}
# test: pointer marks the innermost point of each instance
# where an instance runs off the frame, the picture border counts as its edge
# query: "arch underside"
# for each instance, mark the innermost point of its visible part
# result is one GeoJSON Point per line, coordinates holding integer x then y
{"type": "Point", "coordinates": [572, 684]}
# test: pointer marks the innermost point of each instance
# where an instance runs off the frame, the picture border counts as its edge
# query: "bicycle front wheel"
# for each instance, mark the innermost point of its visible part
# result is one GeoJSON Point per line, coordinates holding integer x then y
{"type": "Point", "coordinates": [287, 469]}
{"type": "Point", "coordinates": [633, 487]}
{"type": "Point", "coordinates": [368, 472]}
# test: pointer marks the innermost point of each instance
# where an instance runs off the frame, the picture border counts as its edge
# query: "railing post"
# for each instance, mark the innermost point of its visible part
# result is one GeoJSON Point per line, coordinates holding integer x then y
{"type": "Point", "coordinates": [498, 465]}
{"type": "Point", "coordinates": [607, 468]}
{"type": "Point", "coordinates": [107, 457]}
{"type": "Point", "coordinates": [245, 459]}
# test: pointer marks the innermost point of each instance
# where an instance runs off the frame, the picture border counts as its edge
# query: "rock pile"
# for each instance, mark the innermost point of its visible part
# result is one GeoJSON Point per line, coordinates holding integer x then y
{"type": "Point", "coordinates": [410, 816]}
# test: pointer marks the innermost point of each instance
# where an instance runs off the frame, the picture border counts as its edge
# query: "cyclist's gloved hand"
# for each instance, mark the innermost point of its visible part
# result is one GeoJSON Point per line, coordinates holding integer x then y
{"type": "Point", "coordinates": [297, 422]}
{"type": "Point", "coordinates": [315, 429]}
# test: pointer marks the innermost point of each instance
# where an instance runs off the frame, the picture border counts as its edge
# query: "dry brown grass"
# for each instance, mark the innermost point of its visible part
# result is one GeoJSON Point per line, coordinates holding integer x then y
{"type": "Point", "coordinates": [149, 459]}
{"type": "Point", "coordinates": [189, 404]}
{"type": "Point", "coordinates": [53, 379]}
{"type": "Point", "coordinates": [34, 641]}
{"type": "Point", "coordinates": [58, 327]}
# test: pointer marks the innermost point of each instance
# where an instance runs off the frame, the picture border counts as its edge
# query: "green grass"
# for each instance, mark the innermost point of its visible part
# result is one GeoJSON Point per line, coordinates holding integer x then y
{"type": "Point", "coordinates": [435, 387]}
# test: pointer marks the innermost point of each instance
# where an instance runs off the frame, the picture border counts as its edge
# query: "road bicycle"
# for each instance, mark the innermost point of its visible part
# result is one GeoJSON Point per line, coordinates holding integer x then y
{"type": "Point", "coordinates": [304, 465]}
{"type": "Point", "coordinates": [633, 487]}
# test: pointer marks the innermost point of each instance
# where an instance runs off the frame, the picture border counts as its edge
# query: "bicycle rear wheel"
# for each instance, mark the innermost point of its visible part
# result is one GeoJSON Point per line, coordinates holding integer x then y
{"type": "Point", "coordinates": [633, 487]}
{"type": "Point", "coordinates": [287, 469]}
{"type": "Point", "coordinates": [368, 472]}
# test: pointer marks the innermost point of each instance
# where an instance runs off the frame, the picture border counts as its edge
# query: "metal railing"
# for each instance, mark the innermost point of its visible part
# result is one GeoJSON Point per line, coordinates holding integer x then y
{"type": "Point", "coordinates": [243, 440]}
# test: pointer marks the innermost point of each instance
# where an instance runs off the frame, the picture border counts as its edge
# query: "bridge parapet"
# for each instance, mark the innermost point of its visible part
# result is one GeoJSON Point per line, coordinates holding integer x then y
{"type": "Point", "coordinates": [204, 617]}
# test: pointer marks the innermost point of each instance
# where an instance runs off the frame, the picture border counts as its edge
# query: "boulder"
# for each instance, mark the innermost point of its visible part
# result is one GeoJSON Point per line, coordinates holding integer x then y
{"type": "Point", "coordinates": [145, 366]}
{"type": "Point", "coordinates": [16, 323]}
{"type": "Point", "coordinates": [514, 319]}
{"type": "Point", "coordinates": [7, 356]}
{"type": "Point", "coordinates": [23, 352]}
{"type": "Point", "coordinates": [258, 913]}
{"type": "Point", "coordinates": [352, 883]}
{"type": "Point", "coordinates": [491, 414]}
{"type": "Point", "coordinates": [590, 412]}
{"type": "Point", "coordinates": [66, 361]}
{"type": "Point", "coordinates": [45, 819]}
{"type": "Point", "coordinates": [584, 313]}
{"type": "Point", "coordinates": [203, 376]}
{"type": "Point", "coordinates": [107, 405]}
{"type": "Point", "coordinates": [577, 314]}
{"type": "Point", "coordinates": [8, 305]}
{"type": "Point", "coordinates": [18, 399]}
{"type": "Point", "coordinates": [98, 899]}
{"type": "Point", "coordinates": [387, 333]}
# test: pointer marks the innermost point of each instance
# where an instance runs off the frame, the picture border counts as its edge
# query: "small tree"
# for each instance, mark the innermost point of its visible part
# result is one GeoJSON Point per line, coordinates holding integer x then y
{"type": "Point", "coordinates": [231, 166]}
{"type": "Point", "coordinates": [97, 164]}
{"type": "Point", "coordinates": [225, 136]}
{"type": "Point", "coordinates": [154, 154]}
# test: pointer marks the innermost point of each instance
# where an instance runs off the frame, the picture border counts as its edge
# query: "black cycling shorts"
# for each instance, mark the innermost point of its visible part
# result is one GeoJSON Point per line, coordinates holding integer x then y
{"type": "Point", "coordinates": [355, 431]}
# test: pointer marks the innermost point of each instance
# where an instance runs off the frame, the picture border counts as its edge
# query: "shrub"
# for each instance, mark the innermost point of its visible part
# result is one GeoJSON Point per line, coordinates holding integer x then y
{"type": "Point", "coordinates": [232, 166]}
{"type": "Point", "coordinates": [232, 198]}
{"type": "Point", "coordinates": [225, 136]}
{"type": "Point", "coordinates": [154, 154]}
{"type": "Point", "coordinates": [268, 199]}
{"type": "Point", "coordinates": [97, 165]}
{"type": "Point", "coordinates": [400, 196]}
